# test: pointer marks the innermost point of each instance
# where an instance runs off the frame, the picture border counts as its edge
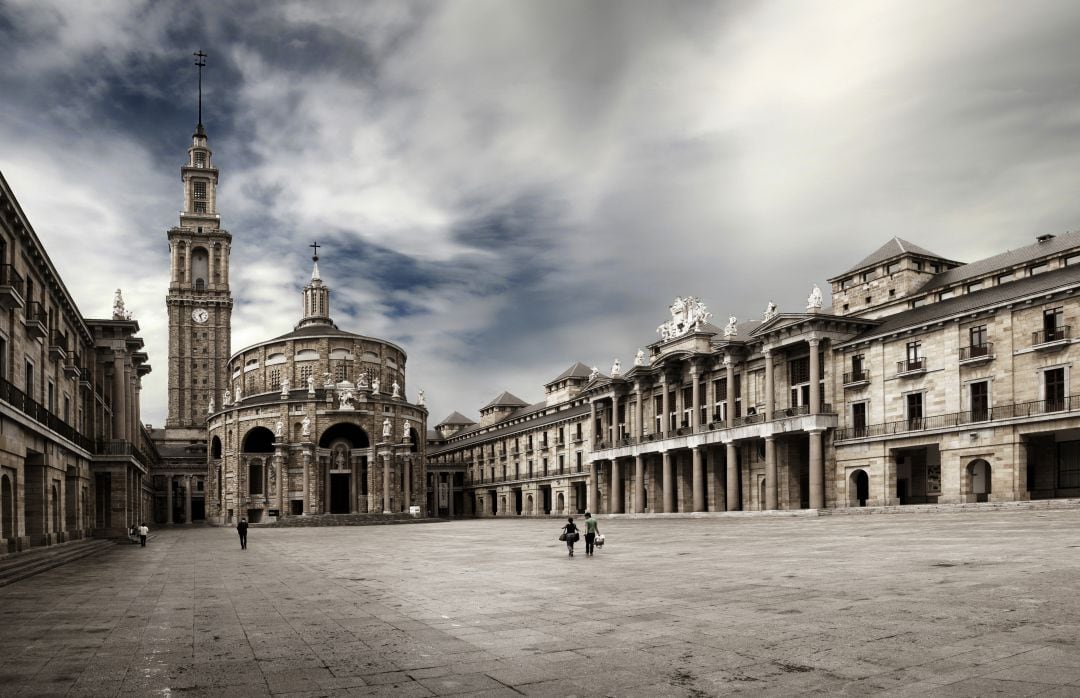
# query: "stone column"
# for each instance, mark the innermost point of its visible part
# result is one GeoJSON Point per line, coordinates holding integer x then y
{"type": "Point", "coordinates": [120, 387]}
{"type": "Point", "coordinates": [616, 499]}
{"type": "Point", "coordinates": [282, 478]}
{"type": "Point", "coordinates": [729, 364]}
{"type": "Point", "coordinates": [354, 484]}
{"type": "Point", "coordinates": [386, 483]}
{"type": "Point", "coordinates": [770, 471]}
{"type": "Point", "coordinates": [770, 402]}
{"type": "Point", "coordinates": [733, 491]}
{"type": "Point", "coordinates": [187, 499]}
{"type": "Point", "coordinates": [639, 484]}
{"type": "Point", "coordinates": [817, 471]}
{"type": "Point", "coordinates": [323, 464]}
{"type": "Point", "coordinates": [590, 499]}
{"type": "Point", "coordinates": [614, 419]}
{"type": "Point", "coordinates": [450, 494]}
{"type": "Point", "coordinates": [669, 483]}
{"type": "Point", "coordinates": [665, 407]}
{"type": "Point", "coordinates": [699, 480]}
{"type": "Point", "coordinates": [592, 423]}
{"type": "Point", "coordinates": [307, 483]}
{"type": "Point", "coordinates": [815, 376]}
{"type": "Point", "coordinates": [640, 412]}
{"type": "Point", "coordinates": [406, 484]}
{"type": "Point", "coordinates": [695, 410]}
{"type": "Point", "coordinates": [168, 500]}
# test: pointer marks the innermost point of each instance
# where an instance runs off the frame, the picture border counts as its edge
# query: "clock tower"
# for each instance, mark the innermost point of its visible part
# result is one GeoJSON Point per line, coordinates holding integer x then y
{"type": "Point", "coordinates": [199, 301]}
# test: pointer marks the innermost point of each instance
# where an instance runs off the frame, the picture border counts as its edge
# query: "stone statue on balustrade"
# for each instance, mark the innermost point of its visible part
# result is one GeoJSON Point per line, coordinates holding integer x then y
{"type": "Point", "coordinates": [387, 428]}
{"type": "Point", "coordinates": [616, 369]}
{"type": "Point", "coordinates": [730, 329]}
{"type": "Point", "coordinates": [814, 301]}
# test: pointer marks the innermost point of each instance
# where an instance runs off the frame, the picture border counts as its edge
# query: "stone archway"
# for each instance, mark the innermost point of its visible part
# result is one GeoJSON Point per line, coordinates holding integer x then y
{"type": "Point", "coordinates": [858, 488]}
{"type": "Point", "coordinates": [977, 480]}
{"type": "Point", "coordinates": [560, 503]}
{"type": "Point", "coordinates": [529, 505]}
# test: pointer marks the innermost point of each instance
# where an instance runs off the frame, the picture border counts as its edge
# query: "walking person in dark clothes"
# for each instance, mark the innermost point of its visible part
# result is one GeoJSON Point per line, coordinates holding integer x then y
{"type": "Point", "coordinates": [241, 528]}
{"type": "Point", "coordinates": [591, 529]}
{"type": "Point", "coordinates": [143, 532]}
{"type": "Point", "coordinates": [571, 532]}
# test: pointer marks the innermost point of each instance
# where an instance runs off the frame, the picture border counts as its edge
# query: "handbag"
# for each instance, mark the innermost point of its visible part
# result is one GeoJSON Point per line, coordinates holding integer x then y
{"type": "Point", "coordinates": [599, 542]}
{"type": "Point", "coordinates": [562, 536]}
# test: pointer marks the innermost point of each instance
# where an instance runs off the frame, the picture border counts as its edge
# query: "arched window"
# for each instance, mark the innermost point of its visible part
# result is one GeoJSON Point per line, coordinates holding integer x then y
{"type": "Point", "coordinates": [255, 476]}
{"type": "Point", "coordinates": [200, 267]}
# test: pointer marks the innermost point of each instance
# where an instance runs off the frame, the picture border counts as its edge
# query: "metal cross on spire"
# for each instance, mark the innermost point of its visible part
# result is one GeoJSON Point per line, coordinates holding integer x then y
{"type": "Point", "coordinates": [200, 60]}
{"type": "Point", "coordinates": [315, 246]}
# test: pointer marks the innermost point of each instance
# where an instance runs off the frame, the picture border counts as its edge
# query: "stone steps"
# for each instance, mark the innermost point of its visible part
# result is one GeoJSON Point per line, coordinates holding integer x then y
{"type": "Point", "coordinates": [343, 520]}
{"type": "Point", "coordinates": [19, 566]}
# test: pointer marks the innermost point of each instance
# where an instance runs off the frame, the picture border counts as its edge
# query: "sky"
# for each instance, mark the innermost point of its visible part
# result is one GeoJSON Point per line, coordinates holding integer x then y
{"type": "Point", "coordinates": [506, 188]}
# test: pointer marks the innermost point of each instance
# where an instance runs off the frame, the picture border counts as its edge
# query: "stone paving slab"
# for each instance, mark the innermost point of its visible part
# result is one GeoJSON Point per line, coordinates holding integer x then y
{"type": "Point", "coordinates": [934, 603]}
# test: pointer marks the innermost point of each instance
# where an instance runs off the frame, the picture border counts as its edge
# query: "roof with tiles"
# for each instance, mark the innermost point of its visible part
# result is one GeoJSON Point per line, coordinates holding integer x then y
{"type": "Point", "coordinates": [977, 300]}
{"type": "Point", "coordinates": [578, 370]}
{"type": "Point", "coordinates": [505, 399]}
{"type": "Point", "coordinates": [893, 248]}
{"type": "Point", "coordinates": [472, 435]}
{"type": "Point", "coordinates": [1006, 260]}
{"type": "Point", "coordinates": [456, 418]}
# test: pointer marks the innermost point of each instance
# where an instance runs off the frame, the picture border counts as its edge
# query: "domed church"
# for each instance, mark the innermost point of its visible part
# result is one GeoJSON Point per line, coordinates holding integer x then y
{"type": "Point", "coordinates": [315, 422]}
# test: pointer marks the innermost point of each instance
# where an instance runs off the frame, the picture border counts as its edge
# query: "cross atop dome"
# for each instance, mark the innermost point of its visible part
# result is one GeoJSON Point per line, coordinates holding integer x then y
{"type": "Point", "coordinates": [316, 296]}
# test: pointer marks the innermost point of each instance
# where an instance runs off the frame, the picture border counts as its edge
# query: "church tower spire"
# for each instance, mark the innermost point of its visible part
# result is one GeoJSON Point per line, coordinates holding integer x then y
{"type": "Point", "coordinates": [199, 300]}
{"type": "Point", "coordinates": [316, 297]}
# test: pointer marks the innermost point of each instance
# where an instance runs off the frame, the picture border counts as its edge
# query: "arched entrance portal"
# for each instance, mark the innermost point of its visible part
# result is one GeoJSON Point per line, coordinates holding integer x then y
{"type": "Point", "coordinates": [858, 488]}
{"type": "Point", "coordinates": [346, 472]}
{"type": "Point", "coordinates": [978, 477]}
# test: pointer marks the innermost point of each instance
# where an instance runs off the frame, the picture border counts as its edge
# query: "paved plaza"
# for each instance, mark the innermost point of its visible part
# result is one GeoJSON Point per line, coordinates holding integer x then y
{"type": "Point", "coordinates": [950, 604]}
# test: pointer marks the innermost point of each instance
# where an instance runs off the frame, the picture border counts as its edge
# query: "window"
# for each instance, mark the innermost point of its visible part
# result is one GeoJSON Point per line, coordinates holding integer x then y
{"type": "Point", "coordinates": [914, 408]}
{"type": "Point", "coordinates": [3, 358]}
{"type": "Point", "coordinates": [1004, 278]}
{"type": "Point", "coordinates": [1037, 269]}
{"type": "Point", "coordinates": [1053, 325]}
{"type": "Point", "coordinates": [934, 268]}
{"type": "Point", "coordinates": [1068, 464]}
{"type": "Point", "coordinates": [28, 385]}
{"type": "Point", "coordinates": [846, 283]}
{"type": "Point", "coordinates": [658, 411]}
{"type": "Point", "coordinates": [562, 464]}
{"type": "Point", "coordinates": [914, 360]}
{"type": "Point", "coordinates": [275, 378]}
{"type": "Point", "coordinates": [688, 405]}
{"type": "Point", "coordinates": [869, 300]}
{"type": "Point", "coordinates": [868, 276]}
{"type": "Point", "coordinates": [974, 286]}
{"type": "Point", "coordinates": [947, 293]}
{"type": "Point", "coordinates": [918, 302]}
{"type": "Point", "coordinates": [50, 402]}
{"type": "Point", "coordinates": [720, 406]}
{"type": "Point", "coordinates": [892, 293]}
{"type": "Point", "coordinates": [1072, 259]}
{"type": "Point", "coordinates": [858, 418]}
{"type": "Point", "coordinates": [918, 266]}
{"type": "Point", "coordinates": [579, 461]}
{"type": "Point", "coordinates": [892, 268]}
{"type": "Point", "coordinates": [200, 190]}
{"type": "Point", "coordinates": [1054, 389]}
{"type": "Point", "coordinates": [200, 158]}
{"type": "Point", "coordinates": [858, 372]}
{"type": "Point", "coordinates": [980, 401]}
{"type": "Point", "coordinates": [305, 373]}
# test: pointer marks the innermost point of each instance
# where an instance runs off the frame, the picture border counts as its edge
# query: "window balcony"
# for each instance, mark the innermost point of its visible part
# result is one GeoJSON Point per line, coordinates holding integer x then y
{"type": "Point", "coordinates": [1051, 338]}
{"type": "Point", "coordinates": [34, 321]}
{"type": "Point", "coordinates": [910, 367]}
{"type": "Point", "coordinates": [977, 353]}
{"type": "Point", "coordinates": [71, 366]}
{"type": "Point", "coordinates": [11, 288]}
{"type": "Point", "coordinates": [57, 345]}
{"type": "Point", "coordinates": [856, 379]}
{"type": "Point", "coordinates": [793, 411]}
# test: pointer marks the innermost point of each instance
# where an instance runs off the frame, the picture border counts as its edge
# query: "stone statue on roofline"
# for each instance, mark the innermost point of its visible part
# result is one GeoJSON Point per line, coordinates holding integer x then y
{"type": "Point", "coordinates": [814, 301]}
{"type": "Point", "coordinates": [119, 312]}
{"type": "Point", "coordinates": [420, 397]}
{"type": "Point", "coordinates": [688, 314]}
{"type": "Point", "coordinates": [770, 312]}
{"type": "Point", "coordinates": [730, 329]}
{"type": "Point", "coordinates": [616, 369]}
{"type": "Point", "coordinates": [639, 358]}
{"type": "Point", "coordinates": [362, 380]}
{"type": "Point", "coordinates": [594, 374]}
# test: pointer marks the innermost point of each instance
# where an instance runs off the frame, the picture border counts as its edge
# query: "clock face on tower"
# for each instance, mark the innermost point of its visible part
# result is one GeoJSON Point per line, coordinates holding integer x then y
{"type": "Point", "coordinates": [200, 315]}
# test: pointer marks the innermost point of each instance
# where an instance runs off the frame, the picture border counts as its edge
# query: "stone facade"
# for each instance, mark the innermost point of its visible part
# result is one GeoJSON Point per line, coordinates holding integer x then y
{"type": "Point", "coordinates": [315, 421]}
{"type": "Point", "coordinates": [74, 455]}
{"type": "Point", "coordinates": [935, 381]}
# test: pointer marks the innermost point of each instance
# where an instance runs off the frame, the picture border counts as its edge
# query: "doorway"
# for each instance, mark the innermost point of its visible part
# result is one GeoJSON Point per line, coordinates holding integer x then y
{"type": "Point", "coordinates": [339, 493]}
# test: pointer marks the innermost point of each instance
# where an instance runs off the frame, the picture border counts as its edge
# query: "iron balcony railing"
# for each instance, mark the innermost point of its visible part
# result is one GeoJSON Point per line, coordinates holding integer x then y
{"type": "Point", "coordinates": [856, 377]}
{"type": "Point", "coordinates": [1052, 334]}
{"type": "Point", "coordinates": [1015, 410]}
{"type": "Point", "coordinates": [12, 278]}
{"type": "Point", "coordinates": [977, 351]}
{"type": "Point", "coordinates": [36, 411]}
{"type": "Point", "coordinates": [910, 365]}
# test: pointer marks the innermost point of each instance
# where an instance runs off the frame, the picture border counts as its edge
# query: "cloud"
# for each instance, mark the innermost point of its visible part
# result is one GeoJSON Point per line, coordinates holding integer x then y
{"type": "Point", "coordinates": [504, 189]}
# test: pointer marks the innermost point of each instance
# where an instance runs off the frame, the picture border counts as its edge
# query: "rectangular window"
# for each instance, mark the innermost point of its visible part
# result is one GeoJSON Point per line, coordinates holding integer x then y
{"type": "Point", "coordinates": [974, 286]}
{"type": "Point", "coordinates": [1037, 269]}
{"type": "Point", "coordinates": [720, 406]}
{"type": "Point", "coordinates": [918, 266]}
{"type": "Point", "coordinates": [562, 464]}
{"type": "Point", "coordinates": [1053, 324]}
{"type": "Point", "coordinates": [892, 268]}
{"type": "Point", "coordinates": [918, 302]}
{"type": "Point", "coordinates": [914, 360]}
{"type": "Point", "coordinates": [50, 402]}
{"type": "Point", "coordinates": [868, 276]}
{"type": "Point", "coordinates": [914, 407]}
{"type": "Point", "coordinates": [846, 283]}
{"type": "Point", "coordinates": [799, 370]}
{"type": "Point", "coordinates": [200, 158]}
{"type": "Point", "coordinates": [1004, 278]}
{"type": "Point", "coordinates": [1054, 387]}
{"type": "Point", "coordinates": [579, 461]}
{"type": "Point", "coordinates": [200, 190]}
{"type": "Point", "coordinates": [658, 411]}
{"type": "Point", "coordinates": [688, 405]}
{"type": "Point", "coordinates": [1072, 259]}
{"type": "Point", "coordinates": [28, 382]}
{"type": "Point", "coordinates": [858, 418]}
{"type": "Point", "coordinates": [3, 358]}
{"type": "Point", "coordinates": [980, 401]}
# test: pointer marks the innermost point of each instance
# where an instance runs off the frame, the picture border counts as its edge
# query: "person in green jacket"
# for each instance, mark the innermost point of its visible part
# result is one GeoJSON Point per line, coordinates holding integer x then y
{"type": "Point", "coordinates": [591, 529]}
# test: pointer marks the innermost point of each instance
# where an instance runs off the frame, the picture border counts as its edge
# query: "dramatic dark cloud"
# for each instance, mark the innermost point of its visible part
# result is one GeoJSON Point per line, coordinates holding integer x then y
{"type": "Point", "coordinates": [506, 188]}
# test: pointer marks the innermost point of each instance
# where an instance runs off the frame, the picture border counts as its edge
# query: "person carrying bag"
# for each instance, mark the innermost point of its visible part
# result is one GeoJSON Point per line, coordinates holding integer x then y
{"type": "Point", "coordinates": [570, 535]}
